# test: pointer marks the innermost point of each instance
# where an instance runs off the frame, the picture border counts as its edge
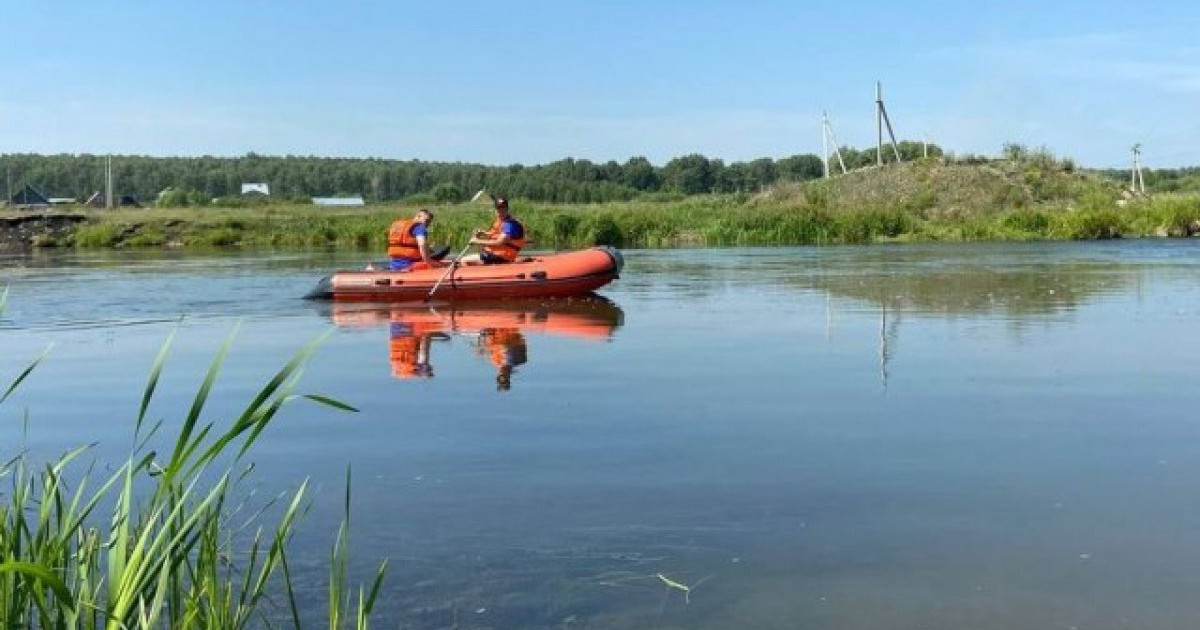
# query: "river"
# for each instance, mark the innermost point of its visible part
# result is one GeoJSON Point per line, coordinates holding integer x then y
{"type": "Point", "coordinates": [916, 436]}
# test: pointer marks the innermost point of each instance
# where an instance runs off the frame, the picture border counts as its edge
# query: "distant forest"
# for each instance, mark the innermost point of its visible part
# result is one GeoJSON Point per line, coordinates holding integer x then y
{"type": "Point", "coordinates": [199, 180]}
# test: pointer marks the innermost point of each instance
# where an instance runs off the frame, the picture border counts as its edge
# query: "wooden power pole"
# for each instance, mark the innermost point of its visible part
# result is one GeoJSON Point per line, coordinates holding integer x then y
{"type": "Point", "coordinates": [881, 120]}
{"type": "Point", "coordinates": [108, 183]}
{"type": "Point", "coordinates": [1137, 183]}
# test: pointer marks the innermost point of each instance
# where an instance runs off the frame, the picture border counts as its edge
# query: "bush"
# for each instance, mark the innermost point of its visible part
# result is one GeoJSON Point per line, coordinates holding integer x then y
{"type": "Point", "coordinates": [220, 237]}
{"type": "Point", "coordinates": [1092, 225]}
{"type": "Point", "coordinates": [100, 235]}
{"type": "Point", "coordinates": [1031, 221]}
{"type": "Point", "coordinates": [446, 192]}
{"type": "Point", "coordinates": [605, 231]}
{"type": "Point", "coordinates": [564, 228]}
{"type": "Point", "coordinates": [1178, 216]}
{"type": "Point", "coordinates": [178, 198]}
{"type": "Point", "coordinates": [148, 238]}
{"type": "Point", "coordinates": [865, 226]}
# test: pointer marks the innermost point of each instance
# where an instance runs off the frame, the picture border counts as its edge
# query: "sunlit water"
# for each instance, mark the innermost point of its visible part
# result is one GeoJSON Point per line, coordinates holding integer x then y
{"type": "Point", "coordinates": [984, 436]}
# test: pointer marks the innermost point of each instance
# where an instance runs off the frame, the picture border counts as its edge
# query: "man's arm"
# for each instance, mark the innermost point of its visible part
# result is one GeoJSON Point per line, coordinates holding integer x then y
{"type": "Point", "coordinates": [426, 255]}
{"type": "Point", "coordinates": [491, 242]}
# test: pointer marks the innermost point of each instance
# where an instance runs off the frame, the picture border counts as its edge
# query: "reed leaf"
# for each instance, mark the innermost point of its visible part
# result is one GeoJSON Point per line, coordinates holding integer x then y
{"type": "Point", "coordinates": [24, 374]}
{"type": "Point", "coordinates": [42, 575]}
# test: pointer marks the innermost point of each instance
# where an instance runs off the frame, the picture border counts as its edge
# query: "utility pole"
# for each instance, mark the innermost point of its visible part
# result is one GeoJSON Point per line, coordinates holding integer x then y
{"type": "Point", "coordinates": [881, 119]}
{"type": "Point", "coordinates": [879, 124]}
{"type": "Point", "coordinates": [108, 183]}
{"type": "Point", "coordinates": [1137, 183]}
{"type": "Point", "coordinates": [825, 143]}
{"type": "Point", "coordinates": [827, 138]}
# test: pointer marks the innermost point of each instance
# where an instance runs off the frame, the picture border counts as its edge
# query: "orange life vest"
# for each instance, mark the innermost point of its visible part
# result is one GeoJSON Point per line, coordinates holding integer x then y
{"type": "Point", "coordinates": [506, 347]}
{"type": "Point", "coordinates": [404, 347]}
{"type": "Point", "coordinates": [509, 250]}
{"type": "Point", "coordinates": [401, 242]}
{"type": "Point", "coordinates": [402, 354]}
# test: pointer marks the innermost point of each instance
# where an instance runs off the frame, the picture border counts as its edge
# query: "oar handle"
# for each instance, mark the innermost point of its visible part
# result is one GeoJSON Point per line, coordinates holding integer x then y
{"type": "Point", "coordinates": [449, 270]}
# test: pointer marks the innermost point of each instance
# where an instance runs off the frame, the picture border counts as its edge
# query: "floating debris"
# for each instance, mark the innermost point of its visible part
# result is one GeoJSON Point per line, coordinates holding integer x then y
{"type": "Point", "coordinates": [679, 586]}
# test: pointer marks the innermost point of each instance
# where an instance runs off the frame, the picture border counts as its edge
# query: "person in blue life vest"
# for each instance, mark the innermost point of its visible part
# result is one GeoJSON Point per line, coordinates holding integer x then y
{"type": "Point", "coordinates": [502, 242]}
{"type": "Point", "coordinates": [408, 243]}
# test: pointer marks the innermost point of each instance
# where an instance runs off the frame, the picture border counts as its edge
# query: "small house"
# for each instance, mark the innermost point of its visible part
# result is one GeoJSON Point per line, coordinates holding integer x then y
{"type": "Point", "coordinates": [30, 197]}
{"type": "Point", "coordinates": [256, 189]}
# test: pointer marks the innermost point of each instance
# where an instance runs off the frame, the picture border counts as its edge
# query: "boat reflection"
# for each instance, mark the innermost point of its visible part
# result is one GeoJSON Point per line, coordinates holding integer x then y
{"type": "Point", "coordinates": [498, 329]}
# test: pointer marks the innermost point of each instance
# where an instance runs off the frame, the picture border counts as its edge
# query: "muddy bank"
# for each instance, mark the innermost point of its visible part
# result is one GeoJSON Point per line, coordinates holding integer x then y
{"type": "Point", "coordinates": [26, 231]}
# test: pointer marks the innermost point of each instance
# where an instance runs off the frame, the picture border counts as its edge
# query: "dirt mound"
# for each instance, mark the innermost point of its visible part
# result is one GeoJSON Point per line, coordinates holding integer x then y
{"type": "Point", "coordinates": [26, 230]}
{"type": "Point", "coordinates": [939, 190]}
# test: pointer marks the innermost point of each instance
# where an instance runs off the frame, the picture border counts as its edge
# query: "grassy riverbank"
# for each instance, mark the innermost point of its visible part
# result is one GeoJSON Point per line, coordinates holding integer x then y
{"type": "Point", "coordinates": [918, 201]}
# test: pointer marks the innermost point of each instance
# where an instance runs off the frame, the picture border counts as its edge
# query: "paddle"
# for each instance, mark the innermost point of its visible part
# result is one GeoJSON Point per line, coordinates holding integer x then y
{"type": "Point", "coordinates": [457, 259]}
{"type": "Point", "coordinates": [449, 270]}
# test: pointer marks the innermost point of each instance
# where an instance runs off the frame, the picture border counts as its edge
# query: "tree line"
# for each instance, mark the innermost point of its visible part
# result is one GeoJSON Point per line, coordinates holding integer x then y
{"type": "Point", "coordinates": [1162, 179]}
{"type": "Point", "coordinates": [199, 180]}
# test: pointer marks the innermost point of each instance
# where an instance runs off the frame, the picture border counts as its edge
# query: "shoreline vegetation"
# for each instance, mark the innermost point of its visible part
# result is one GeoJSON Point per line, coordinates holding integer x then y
{"type": "Point", "coordinates": [167, 538]}
{"type": "Point", "coordinates": [1024, 196]}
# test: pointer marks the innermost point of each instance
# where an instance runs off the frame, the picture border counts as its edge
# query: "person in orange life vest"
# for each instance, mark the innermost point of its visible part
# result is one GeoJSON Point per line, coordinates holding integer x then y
{"type": "Point", "coordinates": [408, 245]}
{"type": "Point", "coordinates": [506, 349]}
{"type": "Point", "coordinates": [408, 348]}
{"type": "Point", "coordinates": [502, 242]}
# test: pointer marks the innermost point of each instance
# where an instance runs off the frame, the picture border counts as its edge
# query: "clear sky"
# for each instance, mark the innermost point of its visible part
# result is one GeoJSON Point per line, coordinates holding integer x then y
{"type": "Point", "coordinates": [536, 81]}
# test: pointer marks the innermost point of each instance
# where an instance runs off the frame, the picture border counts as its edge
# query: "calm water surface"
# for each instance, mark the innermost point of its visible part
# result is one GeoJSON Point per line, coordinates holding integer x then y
{"type": "Point", "coordinates": [984, 436]}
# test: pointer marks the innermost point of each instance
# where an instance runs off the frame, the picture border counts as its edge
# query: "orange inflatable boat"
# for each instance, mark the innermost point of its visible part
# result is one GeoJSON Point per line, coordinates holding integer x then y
{"type": "Point", "coordinates": [589, 317]}
{"type": "Point", "coordinates": [547, 275]}
{"type": "Point", "coordinates": [499, 327]}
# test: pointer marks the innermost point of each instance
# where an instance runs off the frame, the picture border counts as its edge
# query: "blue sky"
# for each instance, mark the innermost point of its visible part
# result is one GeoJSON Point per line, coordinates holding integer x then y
{"type": "Point", "coordinates": [538, 81]}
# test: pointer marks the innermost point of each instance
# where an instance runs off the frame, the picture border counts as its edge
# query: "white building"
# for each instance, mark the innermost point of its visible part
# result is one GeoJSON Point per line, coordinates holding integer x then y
{"type": "Point", "coordinates": [339, 201]}
{"type": "Point", "coordinates": [257, 189]}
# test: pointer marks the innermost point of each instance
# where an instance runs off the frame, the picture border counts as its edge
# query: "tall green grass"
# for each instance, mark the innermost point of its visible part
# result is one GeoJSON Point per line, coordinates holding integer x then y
{"type": "Point", "coordinates": [152, 545]}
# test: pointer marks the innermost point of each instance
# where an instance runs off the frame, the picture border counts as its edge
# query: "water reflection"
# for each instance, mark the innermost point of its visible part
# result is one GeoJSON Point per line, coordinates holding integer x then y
{"type": "Point", "coordinates": [1018, 292]}
{"type": "Point", "coordinates": [1019, 289]}
{"type": "Point", "coordinates": [498, 329]}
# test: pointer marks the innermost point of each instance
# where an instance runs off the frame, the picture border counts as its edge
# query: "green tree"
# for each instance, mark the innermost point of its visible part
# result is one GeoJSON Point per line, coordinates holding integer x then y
{"type": "Point", "coordinates": [446, 193]}
{"type": "Point", "coordinates": [638, 173]}
{"type": "Point", "coordinates": [690, 174]}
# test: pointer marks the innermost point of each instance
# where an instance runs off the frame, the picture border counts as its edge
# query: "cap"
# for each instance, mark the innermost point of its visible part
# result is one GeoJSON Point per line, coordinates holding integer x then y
{"type": "Point", "coordinates": [501, 202]}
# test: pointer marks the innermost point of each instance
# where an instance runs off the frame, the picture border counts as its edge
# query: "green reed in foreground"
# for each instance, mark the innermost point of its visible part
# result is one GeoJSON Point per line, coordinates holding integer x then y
{"type": "Point", "coordinates": [154, 545]}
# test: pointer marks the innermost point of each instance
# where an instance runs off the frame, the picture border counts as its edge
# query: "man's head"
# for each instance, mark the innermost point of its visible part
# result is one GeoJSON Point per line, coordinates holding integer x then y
{"type": "Point", "coordinates": [504, 378]}
{"type": "Point", "coordinates": [501, 205]}
{"type": "Point", "coordinates": [423, 216]}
